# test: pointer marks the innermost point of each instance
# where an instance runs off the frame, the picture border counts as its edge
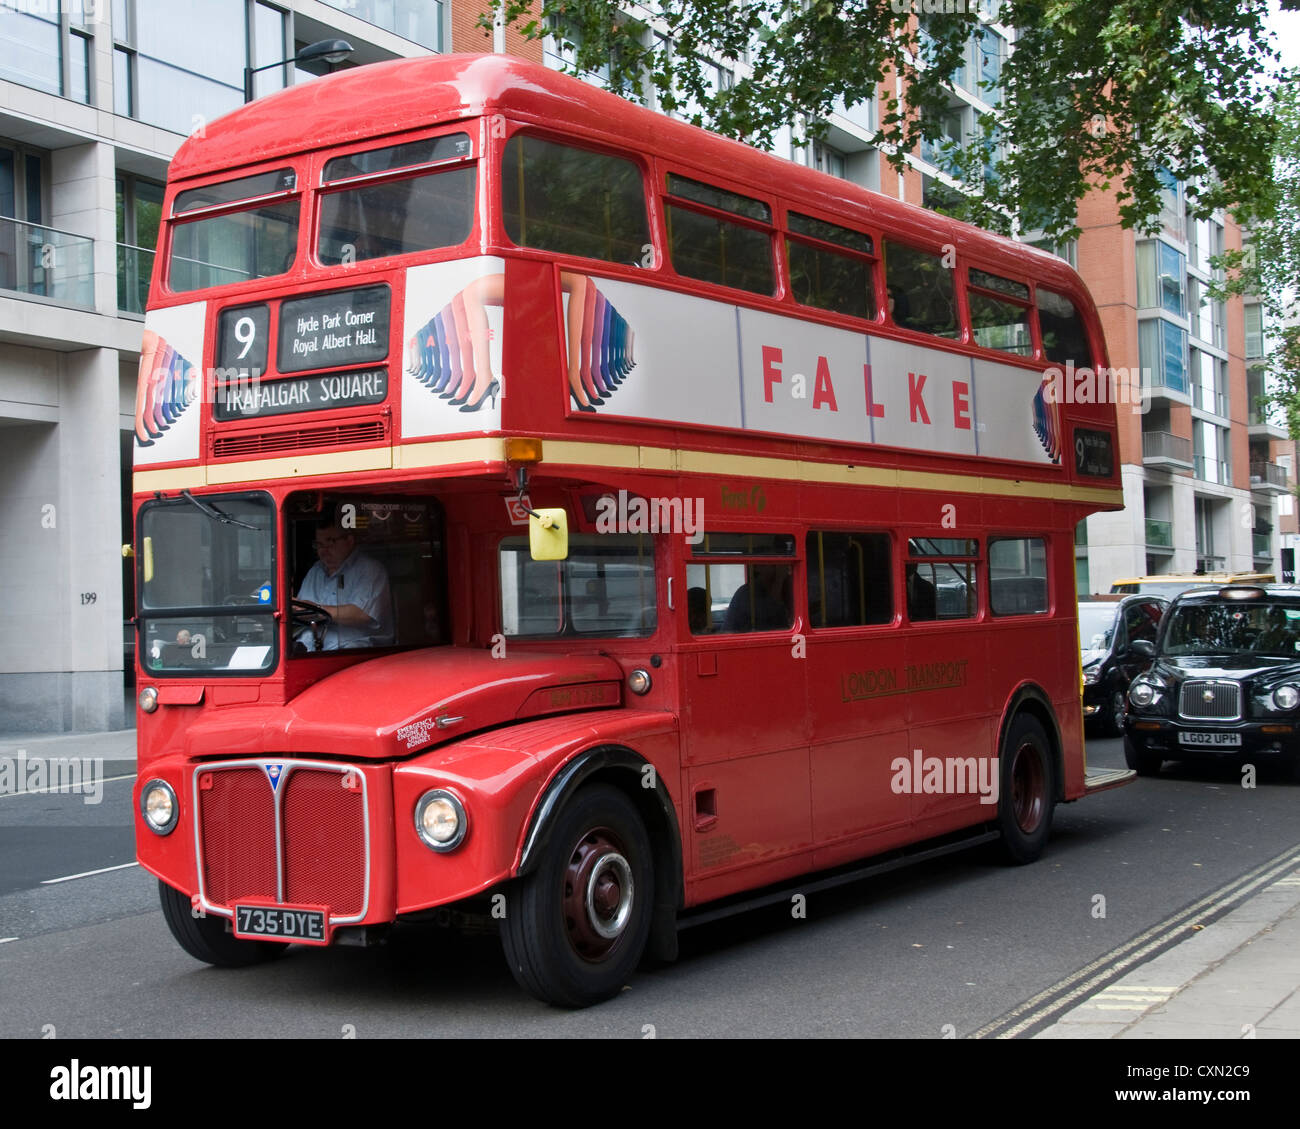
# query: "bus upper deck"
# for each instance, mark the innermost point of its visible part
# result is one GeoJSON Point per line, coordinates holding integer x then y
{"type": "Point", "coordinates": [835, 324]}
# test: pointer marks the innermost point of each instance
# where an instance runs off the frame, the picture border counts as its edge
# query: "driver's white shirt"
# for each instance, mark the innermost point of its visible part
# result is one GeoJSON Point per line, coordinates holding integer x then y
{"type": "Point", "coordinates": [359, 580]}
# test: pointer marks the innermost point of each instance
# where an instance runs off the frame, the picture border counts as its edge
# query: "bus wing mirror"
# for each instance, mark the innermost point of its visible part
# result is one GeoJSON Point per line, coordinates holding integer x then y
{"type": "Point", "coordinates": [548, 534]}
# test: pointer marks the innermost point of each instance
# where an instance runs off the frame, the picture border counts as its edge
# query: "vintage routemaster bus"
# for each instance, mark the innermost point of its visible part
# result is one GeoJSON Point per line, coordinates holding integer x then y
{"type": "Point", "coordinates": [554, 512]}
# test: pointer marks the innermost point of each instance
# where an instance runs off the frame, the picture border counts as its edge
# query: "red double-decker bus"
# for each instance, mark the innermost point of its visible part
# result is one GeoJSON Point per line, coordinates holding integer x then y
{"type": "Point", "coordinates": [556, 512]}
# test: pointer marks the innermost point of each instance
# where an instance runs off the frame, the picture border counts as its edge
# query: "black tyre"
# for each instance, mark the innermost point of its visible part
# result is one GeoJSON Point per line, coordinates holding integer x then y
{"type": "Point", "coordinates": [576, 926]}
{"type": "Point", "coordinates": [1027, 790]}
{"type": "Point", "coordinates": [207, 939]}
{"type": "Point", "coordinates": [1140, 759]}
{"type": "Point", "coordinates": [1113, 714]}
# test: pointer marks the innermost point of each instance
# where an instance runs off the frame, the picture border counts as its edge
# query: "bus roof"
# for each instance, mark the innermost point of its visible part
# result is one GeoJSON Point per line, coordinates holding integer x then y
{"type": "Point", "coordinates": [405, 94]}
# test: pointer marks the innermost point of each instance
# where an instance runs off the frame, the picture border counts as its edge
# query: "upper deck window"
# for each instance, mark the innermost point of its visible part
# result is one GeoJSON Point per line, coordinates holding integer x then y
{"type": "Point", "coordinates": [921, 292]}
{"type": "Point", "coordinates": [999, 322]}
{"type": "Point", "coordinates": [559, 198]}
{"type": "Point", "coordinates": [1064, 338]}
{"type": "Point", "coordinates": [708, 246]}
{"type": "Point", "coordinates": [393, 158]}
{"type": "Point", "coordinates": [427, 208]}
{"type": "Point", "coordinates": [232, 191]}
{"type": "Point", "coordinates": [224, 243]}
{"type": "Point", "coordinates": [831, 278]}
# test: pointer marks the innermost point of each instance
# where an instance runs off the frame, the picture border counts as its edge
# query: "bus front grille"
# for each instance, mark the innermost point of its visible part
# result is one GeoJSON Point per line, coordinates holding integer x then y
{"type": "Point", "coordinates": [283, 831]}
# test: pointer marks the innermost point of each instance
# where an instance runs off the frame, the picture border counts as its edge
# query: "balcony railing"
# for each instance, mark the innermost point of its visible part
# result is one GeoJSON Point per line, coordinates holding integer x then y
{"type": "Point", "coordinates": [1161, 446]}
{"type": "Point", "coordinates": [48, 263]}
{"type": "Point", "coordinates": [134, 269]}
{"type": "Point", "coordinates": [1268, 474]}
{"type": "Point", "coordinates": [1262, 544]}
{"type": "Point", "coordinates": [1160, 533]}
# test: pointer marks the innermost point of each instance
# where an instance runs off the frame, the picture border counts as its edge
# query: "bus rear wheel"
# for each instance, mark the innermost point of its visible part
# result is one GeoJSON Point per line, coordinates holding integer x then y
{"type": "Point", "coordinates": [206, 938]}
{"type": "Point", "coordinates": [576, 926]}
{"type": "Point", "coordinates": [1027, 790]}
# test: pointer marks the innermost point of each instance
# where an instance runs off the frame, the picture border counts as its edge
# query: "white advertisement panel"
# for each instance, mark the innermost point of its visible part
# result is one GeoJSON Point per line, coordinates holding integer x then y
{"type": "Point", "coordinates": [451, 348]}
{"type": "Point", "coordinates": [693, 360]}
{"type": "Point", "coordinates": [170, 385]}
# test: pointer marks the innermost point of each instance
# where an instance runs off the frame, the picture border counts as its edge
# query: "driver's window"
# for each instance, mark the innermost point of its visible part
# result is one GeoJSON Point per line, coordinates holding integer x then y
{"type": "Point", "coordinates": [365, 573]}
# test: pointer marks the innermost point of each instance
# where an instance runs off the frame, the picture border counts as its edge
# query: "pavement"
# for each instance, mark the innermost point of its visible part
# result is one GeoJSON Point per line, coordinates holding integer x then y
{"type": "Point", "coordinates": [1236, 977]}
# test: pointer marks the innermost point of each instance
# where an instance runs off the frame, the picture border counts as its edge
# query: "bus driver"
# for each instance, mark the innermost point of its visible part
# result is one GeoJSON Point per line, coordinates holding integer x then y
{"type": "Point", "coordinates": [352, 587]}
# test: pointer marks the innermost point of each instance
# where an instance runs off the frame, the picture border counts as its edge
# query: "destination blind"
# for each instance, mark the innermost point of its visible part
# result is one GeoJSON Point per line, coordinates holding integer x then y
{"type": "Point", "coordinates": [343, 327]}
{"type": "Point", "coordinates": [248, 399]}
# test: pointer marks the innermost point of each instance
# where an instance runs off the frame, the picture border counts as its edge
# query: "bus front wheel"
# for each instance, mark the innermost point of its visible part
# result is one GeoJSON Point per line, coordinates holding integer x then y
{"type": "Point", "coordinates": [206, 938]}
{"type": "Point", "coordinates": [1027, 790]}
{"type": "Point", "coordinates": [576, 926]}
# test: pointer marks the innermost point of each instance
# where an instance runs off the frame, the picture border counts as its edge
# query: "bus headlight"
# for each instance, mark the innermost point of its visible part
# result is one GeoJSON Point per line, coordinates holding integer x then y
{"type": "Point", "coordinates": [440, 820]}
{"type": "Point", "coordinates": [158, 807]}
{"type": "Point", "coordinates": [1286, 697]}
{"type": "Point", "coordinates": [148, 699]}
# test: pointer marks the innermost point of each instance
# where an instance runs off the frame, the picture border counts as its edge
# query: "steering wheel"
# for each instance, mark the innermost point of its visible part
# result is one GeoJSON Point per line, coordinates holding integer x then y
{"type": "Point", "coordinates": [306, 616]}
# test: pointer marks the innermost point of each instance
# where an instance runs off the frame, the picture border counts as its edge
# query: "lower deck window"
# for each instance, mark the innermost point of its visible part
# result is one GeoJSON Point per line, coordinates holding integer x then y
{"type": "Point", "coordinates": [606, 587]}
{"type": "Point", "coordinates": [939, 584]}
{"type": "Point", "coordinates": [849, 579]}
{"type": "Point", "coordinates": [1018, 576]}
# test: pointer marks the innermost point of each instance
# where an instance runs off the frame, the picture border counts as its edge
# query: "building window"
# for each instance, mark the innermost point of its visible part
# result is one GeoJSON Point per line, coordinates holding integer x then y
{"type": "Point", "coordinates": [1254, 332]}
{"type": "Point", "coordinates": [1161, 272]}
{"type": "Point", "coordinates": [139, 212]}
{"type": "Point", "coordinates": [1067, 249]}
{"type": "Point", "coordinates": [179, 74]}
{"type": "Point", "coordinates": [989, 48]}
{"type": "Point", "coordinates": [29, 46]}
{"type": "Point", "coordinates": [1171, 203]}
{"type": "Point", "coordinates": [942, 150]}
{"type": "Point", "coordinates": [1162, 353]}
{"type": "Point", "coordinates": [420, 21]}
{"type": "Point", "coordinates": [825, 158]}
{"type": "Point", "coordinates": [1205, 239]}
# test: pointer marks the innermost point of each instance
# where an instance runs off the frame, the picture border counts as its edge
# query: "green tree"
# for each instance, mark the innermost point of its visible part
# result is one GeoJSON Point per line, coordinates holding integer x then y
{"type": "Point", "coordinates": [1095, 93]}
{"type": "Point", "coordinates": [1269, 265]}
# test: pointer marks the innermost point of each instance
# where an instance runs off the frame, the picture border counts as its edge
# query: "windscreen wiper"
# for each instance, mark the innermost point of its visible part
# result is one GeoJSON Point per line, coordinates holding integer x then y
{"type": "Point", "coordinates": [216, 514]}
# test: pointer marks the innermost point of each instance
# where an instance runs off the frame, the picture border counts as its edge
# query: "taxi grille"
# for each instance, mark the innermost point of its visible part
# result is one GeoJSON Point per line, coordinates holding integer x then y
{"type": "Point", "coordinates": [319, 857]}
{"type": "Point", "coordinates": [1211, 701]}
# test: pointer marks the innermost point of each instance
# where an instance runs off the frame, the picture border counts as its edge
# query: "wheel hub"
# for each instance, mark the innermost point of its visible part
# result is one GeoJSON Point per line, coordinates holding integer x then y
{"type": "Point", "coordinates": [1027, 799]}
{"type": "Point", "coordinates": [598, 894]}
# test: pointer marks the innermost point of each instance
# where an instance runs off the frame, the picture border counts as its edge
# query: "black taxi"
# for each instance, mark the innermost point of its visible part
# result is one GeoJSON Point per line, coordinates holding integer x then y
{"type": "Point", "coordinates": [1225, 681]}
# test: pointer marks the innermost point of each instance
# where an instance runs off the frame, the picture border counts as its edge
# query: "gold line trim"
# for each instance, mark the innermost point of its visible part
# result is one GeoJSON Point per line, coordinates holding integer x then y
{"type": "Point", "coordinates": [576, 453]}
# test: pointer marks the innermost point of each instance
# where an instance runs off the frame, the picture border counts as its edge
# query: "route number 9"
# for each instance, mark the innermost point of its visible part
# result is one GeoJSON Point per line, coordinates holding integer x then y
{"type": "Point", "coordinates": [245, 334]}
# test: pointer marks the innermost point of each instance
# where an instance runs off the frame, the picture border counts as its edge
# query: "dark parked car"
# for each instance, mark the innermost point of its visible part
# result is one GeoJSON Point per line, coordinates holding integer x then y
{"type": "Point", "coordinates": [1225, 683]}
{"type": "Point", "coordinates": [1108, 628]}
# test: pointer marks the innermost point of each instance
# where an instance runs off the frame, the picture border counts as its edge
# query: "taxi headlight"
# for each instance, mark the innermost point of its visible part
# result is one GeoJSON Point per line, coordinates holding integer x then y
{"type": "Point", "coordinates": [1142, 694]}
{"type": "Point", "coordinates": [1286, 697]}
{"type": "Point", "coordinates": [158, 807]}
{"type": "Point", "coordinates": [1090, 676]}
{"type": "Point", "coordinates": [440, 820]}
